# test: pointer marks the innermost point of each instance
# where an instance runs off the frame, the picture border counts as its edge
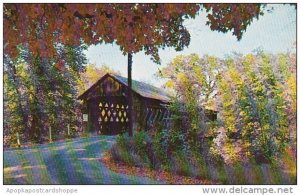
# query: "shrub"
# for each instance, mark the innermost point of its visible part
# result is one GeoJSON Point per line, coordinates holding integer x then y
{"type": "Point", "coordinates": [132, 150]}
{"type": "Point", "coordinates": [121, 155]}
{"type": "Point", "coordinates": [181, 165]}
{"type": "Point", "coordinates": [200, 164]}
{"type": "Point", "coordinates": [140, 140]}
{"type": "Point", "coordinates": [123, 140]}
{"type": "Point", "coordinates": [160, 145]}
{"type": "Point", "coordinates": [144, 150]}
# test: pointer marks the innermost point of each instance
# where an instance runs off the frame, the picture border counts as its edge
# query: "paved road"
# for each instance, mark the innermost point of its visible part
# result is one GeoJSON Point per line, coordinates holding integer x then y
{"type": "Point", "coordinates": [73, 161]}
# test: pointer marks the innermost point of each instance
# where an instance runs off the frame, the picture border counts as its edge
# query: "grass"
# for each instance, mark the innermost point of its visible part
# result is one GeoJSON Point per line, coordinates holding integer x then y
{"type": "Point", "coordinates": [77, 161]}
{"type": "Point", "coordinates": [159, 175]}
{"type": "Point", "coordinates": [136, 152]}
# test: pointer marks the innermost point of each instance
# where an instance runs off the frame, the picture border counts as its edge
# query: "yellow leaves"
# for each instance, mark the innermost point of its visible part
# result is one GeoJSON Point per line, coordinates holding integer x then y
{"type": "Point", "coordinates": [10, 93]}
{"type": "Point", "coordinates": [182, 77]}
{"type": "Point", "coordinates": [169, 84]}
{"type": "Point", "coordinates": [177, 62]}
{"type": "Point", "coordinates": [92, 73]}
{"type": "Point", "coordinates": [231, 151]}
{"type": "Point", "coordinates": [249, 60]}
{"type": "Point", "coordinates": [259, 88]}
{"type": "Point", "coordinates": [242, 113]}
{"type": "Point", "coordinates": [200, 74]}
{"type": "Point", "coordinates": [266, 127]}
{"type": "Point", "coordinates": [23, 74]}
{"type": "Point", "coordinates": [292, 84]}
{"type": "Point", "coordinates": [235, 76]}
{"type": "Point", "coordinates": [213, 64]}
{"type": "Point", "coordinates": [12, 106]}
{"type": "Point", "coordinates": [227, 103]}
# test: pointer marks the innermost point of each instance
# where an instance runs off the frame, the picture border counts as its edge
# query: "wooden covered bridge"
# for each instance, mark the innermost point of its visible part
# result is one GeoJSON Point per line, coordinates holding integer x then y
{"type": "Point", "coordinates": [106, 105]}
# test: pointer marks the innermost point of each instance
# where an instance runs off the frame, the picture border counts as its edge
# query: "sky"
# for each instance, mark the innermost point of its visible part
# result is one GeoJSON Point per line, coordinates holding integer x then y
{"type": "Point", "coordinates": [274, 32]}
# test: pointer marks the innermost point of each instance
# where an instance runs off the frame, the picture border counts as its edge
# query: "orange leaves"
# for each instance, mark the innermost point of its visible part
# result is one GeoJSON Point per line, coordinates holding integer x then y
{"type": "Point", "coordinates": [60, 65]}
{"type": "Point", "coordinates": [11, 50]}
{"type": "Point", "coordinates": [33, 46]}
{"type": "Point", "coordinates": [133, 26]}
{"type": "Point", "coordinates": [231, 17]}
{"type": "Point", "coordinates": [159, 175]}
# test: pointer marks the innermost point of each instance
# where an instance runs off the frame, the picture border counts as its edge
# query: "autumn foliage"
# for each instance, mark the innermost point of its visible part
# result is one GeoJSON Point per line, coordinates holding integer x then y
{"type": "Point", "coordinates": [39, 95]}
{"type": "Point", "coordinates": [255, 99]}
{"type": "Point", "coordinates": [40, 26]}
{"type": "Point", "coordinates": [253, 94]}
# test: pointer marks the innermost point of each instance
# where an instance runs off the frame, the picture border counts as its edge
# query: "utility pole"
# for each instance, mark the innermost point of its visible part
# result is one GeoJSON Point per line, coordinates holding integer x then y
{"type": "Point", "coordinates": [50, 136]}
{"type": "Point", "coordinates": [130, 122]}
{"type": "Point", "coordinates": [18, 140]}
{"type": "Point", "coordinates": [68, 130]}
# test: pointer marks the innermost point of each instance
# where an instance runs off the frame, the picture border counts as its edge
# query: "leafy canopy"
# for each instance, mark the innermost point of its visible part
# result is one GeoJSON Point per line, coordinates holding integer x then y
{"type": "Point", "coordinates": [134, 27]}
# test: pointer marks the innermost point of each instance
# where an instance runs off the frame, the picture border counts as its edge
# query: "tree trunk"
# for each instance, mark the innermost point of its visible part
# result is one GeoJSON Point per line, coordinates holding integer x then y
{"type": "Point", "coordinates": [24, 116]}
{"type": "Point", "coordinates": [129, 96]}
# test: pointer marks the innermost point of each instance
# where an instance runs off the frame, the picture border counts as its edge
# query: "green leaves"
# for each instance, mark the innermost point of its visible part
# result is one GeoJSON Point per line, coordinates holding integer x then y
{"type": "Point", "coordinates": [253, 103]}
{"type": "Point", "coordinates": [42, 94]}
{"type": "Point", "coordinates": [254, 95]}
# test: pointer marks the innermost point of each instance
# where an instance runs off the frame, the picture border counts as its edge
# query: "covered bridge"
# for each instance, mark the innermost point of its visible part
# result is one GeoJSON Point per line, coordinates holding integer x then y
{"type": "Point", "coordinates": [106, 105]}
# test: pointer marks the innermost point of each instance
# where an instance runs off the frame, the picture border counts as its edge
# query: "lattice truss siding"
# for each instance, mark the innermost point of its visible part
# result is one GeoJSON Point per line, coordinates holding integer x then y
{"type": "Point", "coordinates": [113, 112]}
{"type": "Point", "coordinates": [115, 115]}
{"type": "Point", "coordinates": [156, 114]}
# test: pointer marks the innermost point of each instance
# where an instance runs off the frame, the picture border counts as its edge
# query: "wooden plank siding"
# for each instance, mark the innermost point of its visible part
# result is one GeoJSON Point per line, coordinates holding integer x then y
{"type": "Point", "coordinates": [107, 107]}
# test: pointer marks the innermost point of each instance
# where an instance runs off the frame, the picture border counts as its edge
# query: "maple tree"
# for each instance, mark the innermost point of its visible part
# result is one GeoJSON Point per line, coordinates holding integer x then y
{"type": "Point", "coordinates": [134, 27]}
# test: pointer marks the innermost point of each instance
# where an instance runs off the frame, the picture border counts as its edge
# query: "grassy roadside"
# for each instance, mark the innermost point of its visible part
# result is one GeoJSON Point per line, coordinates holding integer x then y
{"type": "Point", "coordinates": [159, 175]}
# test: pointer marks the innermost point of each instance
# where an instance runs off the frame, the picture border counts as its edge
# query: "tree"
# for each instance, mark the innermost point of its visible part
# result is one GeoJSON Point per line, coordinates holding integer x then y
{"type": "Point", "coordinates": [256, 103]}
{"type": "Point", "coordinates": [193, 79]}
{"type": "Point", "coordinates": [190, 72]}
{"type": "Point", "coordinates": [254, 96]}
{"type": "Point", "coordinates": [91, 75]}
{"type": "Point", "coordinates": [38, 95]}
{"type": "Point", "coordinates": [40, 26]}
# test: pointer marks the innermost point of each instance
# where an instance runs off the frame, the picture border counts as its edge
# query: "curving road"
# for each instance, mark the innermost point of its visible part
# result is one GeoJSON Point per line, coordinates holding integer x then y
{"type": "Point", "coordinates": [70, 162]}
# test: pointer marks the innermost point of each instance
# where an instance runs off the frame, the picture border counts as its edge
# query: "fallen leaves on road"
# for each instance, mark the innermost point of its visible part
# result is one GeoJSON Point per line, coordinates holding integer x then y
{"type": "Point", "coordinates": [159, 175]}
